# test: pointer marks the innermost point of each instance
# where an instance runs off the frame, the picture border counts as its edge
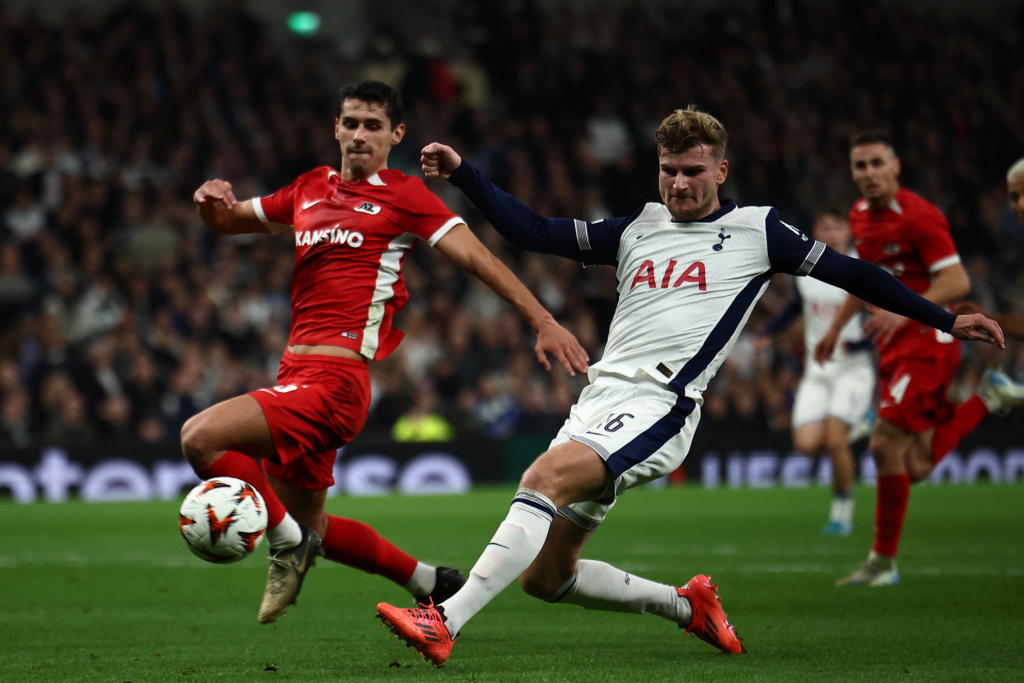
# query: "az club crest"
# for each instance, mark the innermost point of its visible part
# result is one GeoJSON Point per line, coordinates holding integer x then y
{"type": "Point", "coordinates": [367, 207]}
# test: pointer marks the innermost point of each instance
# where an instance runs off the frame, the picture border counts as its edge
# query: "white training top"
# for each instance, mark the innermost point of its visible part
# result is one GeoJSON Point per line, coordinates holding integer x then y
{"type": "Point", "coordinates": [820, 301]}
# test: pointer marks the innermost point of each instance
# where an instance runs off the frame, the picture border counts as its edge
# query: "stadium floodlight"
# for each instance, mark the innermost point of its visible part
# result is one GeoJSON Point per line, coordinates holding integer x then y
{"type": "Point", "coordinates": [304, 23]}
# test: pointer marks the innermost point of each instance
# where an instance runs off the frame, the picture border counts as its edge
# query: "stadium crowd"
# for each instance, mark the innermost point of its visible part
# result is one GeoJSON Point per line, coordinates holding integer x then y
{"type": "Point", "coordinates": [123, 315]}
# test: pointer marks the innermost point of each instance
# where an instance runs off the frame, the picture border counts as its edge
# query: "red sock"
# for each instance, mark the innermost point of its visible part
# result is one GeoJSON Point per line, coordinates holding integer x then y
{"type": "Point", "coordinates": [241, 466]}
{"type": "Point", "coordinates": [357, 545]}
{"type": "Point", "coordinates": [968, 416]}
{"type": "Point", "coordinates": [890, 511]}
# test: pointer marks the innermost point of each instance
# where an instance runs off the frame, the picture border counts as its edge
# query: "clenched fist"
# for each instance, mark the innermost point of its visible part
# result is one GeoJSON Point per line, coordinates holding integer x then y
{"type": "Point", "coordinates": [439, 161]}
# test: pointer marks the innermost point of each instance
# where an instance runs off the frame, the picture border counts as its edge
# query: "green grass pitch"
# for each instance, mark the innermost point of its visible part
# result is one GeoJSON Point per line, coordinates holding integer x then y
{"type": "Point", "coordinates": [108, 592]}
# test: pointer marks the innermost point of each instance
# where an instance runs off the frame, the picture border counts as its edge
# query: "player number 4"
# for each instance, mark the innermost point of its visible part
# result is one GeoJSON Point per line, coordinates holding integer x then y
{"type": "Point", "coordinates": [898, 388]}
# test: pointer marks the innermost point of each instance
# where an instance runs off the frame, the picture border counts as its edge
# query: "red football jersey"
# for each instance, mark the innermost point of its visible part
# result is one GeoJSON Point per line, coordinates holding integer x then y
{"type": "Point", "coordinates": [910, 239]}
{"type": "Point", "coordinates": [351, 238]}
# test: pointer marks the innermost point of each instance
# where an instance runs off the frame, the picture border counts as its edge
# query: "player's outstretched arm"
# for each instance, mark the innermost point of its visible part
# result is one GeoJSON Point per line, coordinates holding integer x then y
{"type": "Point", "coordinates": [592, 244]}
{"type": "Point", "coordinates": [877, 287]}
{"type": "Point", "coordinates": [220, 210]}
{"type": "Point", "coordinates": [467, 252]}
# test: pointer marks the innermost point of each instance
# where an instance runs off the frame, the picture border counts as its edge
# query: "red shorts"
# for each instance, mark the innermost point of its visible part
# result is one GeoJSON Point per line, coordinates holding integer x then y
{"type": "Point", "coordinates": [914, 387]}
{"type": "Point", "coordinates": [318, 406]}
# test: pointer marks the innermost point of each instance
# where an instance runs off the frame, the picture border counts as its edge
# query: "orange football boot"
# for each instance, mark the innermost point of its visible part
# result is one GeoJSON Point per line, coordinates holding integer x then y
{"type": "Point", "coordinates": [420, 627]}
{"type": "Point", "coordinates": [709, 622]}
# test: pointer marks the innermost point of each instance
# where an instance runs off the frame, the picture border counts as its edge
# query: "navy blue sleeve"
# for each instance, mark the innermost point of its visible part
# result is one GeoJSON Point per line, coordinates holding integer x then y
{"type": "Point", "coordinates": [591, 243]}
{"type": "Point", "coordinates": [789, 250]}
{"type": "Point", "coordinates": [874, 285]}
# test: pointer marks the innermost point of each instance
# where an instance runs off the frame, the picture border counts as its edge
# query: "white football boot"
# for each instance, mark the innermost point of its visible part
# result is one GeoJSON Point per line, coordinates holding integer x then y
{"type": "Point", "coordinates": [878, 571]}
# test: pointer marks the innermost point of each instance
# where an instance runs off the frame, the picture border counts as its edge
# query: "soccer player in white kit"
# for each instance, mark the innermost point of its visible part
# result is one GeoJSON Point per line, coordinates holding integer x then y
{"type": "Point", "coordinates": [690, 270]}
{"type": "Point", "coordinates": [833, 399]}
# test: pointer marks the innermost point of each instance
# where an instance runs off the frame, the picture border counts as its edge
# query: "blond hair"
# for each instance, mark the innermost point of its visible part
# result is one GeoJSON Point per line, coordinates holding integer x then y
{"type": "Point", "coordinates": [686, 128]}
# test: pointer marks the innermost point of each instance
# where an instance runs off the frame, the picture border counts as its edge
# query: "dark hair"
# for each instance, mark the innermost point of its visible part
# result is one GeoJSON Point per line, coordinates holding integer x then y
{"type": "Point", "coordinates": [831, 210]}
{"type": "Point", "coordinates": [377, 93]}
{"type": "Point", "coordinates": [868, 137]}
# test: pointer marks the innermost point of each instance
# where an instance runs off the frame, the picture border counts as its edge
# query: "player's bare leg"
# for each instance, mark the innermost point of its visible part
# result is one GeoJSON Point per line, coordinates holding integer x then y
{"type": "Point", "coordinates": [222, 441]}
{"type": "Point", "coordinates": [837, 445]}
{"type": "Point", "coordinates": [889, 446]}
{"type": "Point", "coordinates": [358, 545]}
{"type": "Point", "coordinates": [557, 561]}
{"type": "Point", "coordinates": [832, 436]}
{"type": "Point", "coordinates": [919, 459]}
{"type": "Point", "coordinates": [809, 439]}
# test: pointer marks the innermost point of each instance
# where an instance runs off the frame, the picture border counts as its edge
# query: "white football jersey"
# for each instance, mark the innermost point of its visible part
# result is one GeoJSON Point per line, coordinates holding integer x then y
{"type": "Point", "coordinates": [819, 302]}
{"type": "Point", "coordinates": [687, 289]}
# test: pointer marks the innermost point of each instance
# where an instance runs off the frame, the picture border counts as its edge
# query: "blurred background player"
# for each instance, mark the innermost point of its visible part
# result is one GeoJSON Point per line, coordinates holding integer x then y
{"type": "Point", "coordinates": [1015, 188]}
{"type": "Point", "coordinates": [352, 231]}
{"type": "Point", "coordinates": [690, 270]}
{"type": "Point", "coordinates": [833, 402]}
{"type": "Point", "coordinates": [1013, 325]}
{"type": "Point", "coordinates": [917, 425]}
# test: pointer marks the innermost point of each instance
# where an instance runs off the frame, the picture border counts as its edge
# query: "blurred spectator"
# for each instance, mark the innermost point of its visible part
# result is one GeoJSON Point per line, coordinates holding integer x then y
{"type": "Point", "coordinates": [423, 422]}
{"type": "Point", "coordinates": [495, 408]}
{"type": "Point", "coordinates": [69, 424]}
{"type": "Point", "coordinates": [16, 288]}
{"type": "Point", "coordinates": [24, 218]}
{"type": "Point", "coordinates": [16, 419]}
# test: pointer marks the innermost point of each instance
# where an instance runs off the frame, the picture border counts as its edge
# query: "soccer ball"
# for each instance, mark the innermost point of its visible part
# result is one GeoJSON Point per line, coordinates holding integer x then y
{"type": "Point", "coordinates": [223, 519]}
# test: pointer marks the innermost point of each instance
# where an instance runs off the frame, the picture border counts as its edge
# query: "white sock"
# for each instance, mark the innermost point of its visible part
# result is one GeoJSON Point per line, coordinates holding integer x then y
{"type": "Point", "coordinates": [423, 579]}
{"type": "Point", "coordinates": [842, 509]}
{"type": "Point", "coordinates": [284, 535]}
{"type": "Point", "coordinates": [600, 586]}
{"type": "Point", "coordinates": [514, 548]}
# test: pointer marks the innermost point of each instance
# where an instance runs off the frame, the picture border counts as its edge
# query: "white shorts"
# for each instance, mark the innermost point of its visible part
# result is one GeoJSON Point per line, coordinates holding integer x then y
{"type": "Point", "coordinates": [843, 390]}
{"type": "Point", "coordinates": [641, 429]}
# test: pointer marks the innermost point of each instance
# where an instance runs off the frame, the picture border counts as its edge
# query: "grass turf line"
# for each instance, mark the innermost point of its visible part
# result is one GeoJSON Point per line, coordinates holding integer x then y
{"type": "Point", "coordinates": [108, 592]}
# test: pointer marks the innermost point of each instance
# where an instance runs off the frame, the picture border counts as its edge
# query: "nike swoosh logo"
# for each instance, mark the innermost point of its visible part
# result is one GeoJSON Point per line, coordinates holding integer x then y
{"type": "Point", "coordinates": [306, 205]}
{"type": "Point", "coordinates": [302, 567]}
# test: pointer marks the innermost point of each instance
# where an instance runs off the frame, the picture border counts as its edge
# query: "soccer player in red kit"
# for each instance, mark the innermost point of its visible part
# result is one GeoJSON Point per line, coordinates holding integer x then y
{"type": "Point", "coordinates": [917, 425]}
{"type": "Point", "coordinates": [352, 228]}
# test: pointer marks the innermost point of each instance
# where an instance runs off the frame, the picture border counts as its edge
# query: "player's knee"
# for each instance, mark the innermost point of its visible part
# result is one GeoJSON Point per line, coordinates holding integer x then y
{"type": "Point", "coordinates": [543, 476]}
{"type": "Point", "coordinates": [918, 472]}
{"type": "Point", "coordinates": [920, 467]}
{"type": "Point", "coordinates": [887, 454]}
{"type": "Point", "coordinates": [805, 444]}
{"type": "Point", "coordinates": [880, 445]}
{"type": "Point", "coordinates": [195, 442]}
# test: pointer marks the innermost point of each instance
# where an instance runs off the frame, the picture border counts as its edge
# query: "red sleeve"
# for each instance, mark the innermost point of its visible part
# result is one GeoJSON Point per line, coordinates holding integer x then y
{"type": "Point", "coordinates": [933, 240]}
{"type": "Point", "coordinates": [279, 207]}
{"type": "Point", "coordinates": [424, 214]}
